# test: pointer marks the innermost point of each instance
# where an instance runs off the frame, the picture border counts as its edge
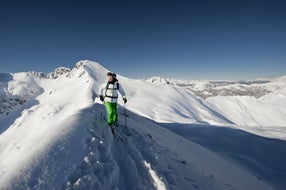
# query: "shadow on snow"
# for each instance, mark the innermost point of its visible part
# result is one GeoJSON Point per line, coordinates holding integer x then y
{"type": "Point", "coordinates": [262, 156]}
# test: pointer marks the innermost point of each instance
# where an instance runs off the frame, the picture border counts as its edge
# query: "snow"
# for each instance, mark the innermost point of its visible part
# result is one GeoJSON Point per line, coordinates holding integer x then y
{"type": "Point", "coordinates": [268, 110]}
{"type": "Point", "coordinates": [58, 138]}
{"type": "Point", "coordinates": [157, 181]}
{"type": "Point", "coordinates": [261, 156]}
{"type": "Point", "coordinates": [207, 88]}
{"type": "Point", "coordinates": [257, 106]}
{"type": "Point", "coordinates": [160, 102]}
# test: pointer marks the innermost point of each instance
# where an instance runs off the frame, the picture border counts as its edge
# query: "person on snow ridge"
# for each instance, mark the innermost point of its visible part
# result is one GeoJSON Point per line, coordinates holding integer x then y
{"type": "Point", "coordinates": [108, 93]}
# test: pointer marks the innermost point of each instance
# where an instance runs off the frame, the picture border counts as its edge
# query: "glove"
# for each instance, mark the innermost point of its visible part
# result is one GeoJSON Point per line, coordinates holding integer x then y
{"type": "Point", "coordinates": [101, 98]}
{"type": "Point", "coordinates": [124, 100]}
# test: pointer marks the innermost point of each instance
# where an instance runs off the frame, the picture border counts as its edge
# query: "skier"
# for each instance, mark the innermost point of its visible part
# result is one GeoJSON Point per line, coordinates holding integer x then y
{"type": "Point", "coordinates": [108, 93]}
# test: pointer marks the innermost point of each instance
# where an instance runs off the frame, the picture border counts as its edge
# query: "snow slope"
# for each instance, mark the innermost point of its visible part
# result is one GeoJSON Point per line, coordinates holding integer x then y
{"type": "Point", "coordinates": [88, 158]}
{"type": "Point", "coordinates": [265, 115]}
{"type": "Point", "coordinates": [58, 138]}
{"type": "Point", "coordinates": [165, 103]}
{"type": "Point", "coordinates": [268, 110]}
{"type": "Point", "coordinates": [261, 156]}
{"type": "Point", "coordinates": [256, 106]}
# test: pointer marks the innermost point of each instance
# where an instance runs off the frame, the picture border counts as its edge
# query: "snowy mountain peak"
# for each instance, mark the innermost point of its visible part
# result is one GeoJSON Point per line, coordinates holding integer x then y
{"type": "Point", "coordinates": [37, 74]}
{"type": "Point", "coordinates": [59, 72]}
{"type": "Point", "coordinates": [280, 79]}
{"type": "Point", "coordinates": [158, 80]}
{"type": "Point", "coordinates": [79, 64]}
{"type": "Point", "coordinates": [65, 71]}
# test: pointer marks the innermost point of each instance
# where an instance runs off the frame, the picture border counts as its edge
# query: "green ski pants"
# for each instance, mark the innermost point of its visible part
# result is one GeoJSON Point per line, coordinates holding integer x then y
{"type": "Point", "coordinates": [111, 109]}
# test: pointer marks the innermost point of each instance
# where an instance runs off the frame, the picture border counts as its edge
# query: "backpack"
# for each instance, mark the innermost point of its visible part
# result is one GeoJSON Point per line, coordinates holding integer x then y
{"type": "Point", "coordinates": [107, 88]}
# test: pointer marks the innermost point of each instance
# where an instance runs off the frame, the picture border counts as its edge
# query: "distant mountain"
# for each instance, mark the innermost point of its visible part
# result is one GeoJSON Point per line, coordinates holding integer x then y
{"type": "Point", "coordinates": [257, 102]}
{"type": "Point", "coordinates": [207, 88]}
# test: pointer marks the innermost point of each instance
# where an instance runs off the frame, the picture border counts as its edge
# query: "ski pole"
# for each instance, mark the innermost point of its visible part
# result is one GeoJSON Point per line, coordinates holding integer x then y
{"type": "Point", "coordinates": [125, 115]}
{"type": "Point", "coordinates": [127, 130]}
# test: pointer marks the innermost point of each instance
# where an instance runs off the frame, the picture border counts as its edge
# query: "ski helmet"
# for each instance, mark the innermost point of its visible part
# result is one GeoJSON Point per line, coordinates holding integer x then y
{"type": "Point", "coordinates": [109, 73]}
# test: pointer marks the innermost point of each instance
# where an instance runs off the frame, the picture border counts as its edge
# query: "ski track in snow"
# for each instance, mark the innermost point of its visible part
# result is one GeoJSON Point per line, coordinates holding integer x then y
{"type": "Point", "coordinates": [110, 164]}
{"type": "Point", "coordinates": [142, 160]}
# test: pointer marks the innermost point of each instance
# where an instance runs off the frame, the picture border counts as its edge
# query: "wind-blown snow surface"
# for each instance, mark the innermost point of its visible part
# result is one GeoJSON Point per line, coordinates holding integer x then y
{"type": "Point", "coordinates": [55, 137]}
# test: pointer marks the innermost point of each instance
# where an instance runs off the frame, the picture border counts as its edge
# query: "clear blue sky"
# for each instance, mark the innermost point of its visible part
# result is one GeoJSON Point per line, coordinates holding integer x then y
{"type": "Point", "coordinates": [185, 39]}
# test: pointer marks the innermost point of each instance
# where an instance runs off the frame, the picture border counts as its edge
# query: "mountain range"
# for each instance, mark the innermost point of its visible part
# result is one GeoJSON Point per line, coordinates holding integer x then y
{"type": "Point", "coordinates": [178, 134]}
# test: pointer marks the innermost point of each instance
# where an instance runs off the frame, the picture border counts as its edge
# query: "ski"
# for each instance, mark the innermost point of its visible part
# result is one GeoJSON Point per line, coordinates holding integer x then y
{"type": "Point", "coordinates": [115, 134]}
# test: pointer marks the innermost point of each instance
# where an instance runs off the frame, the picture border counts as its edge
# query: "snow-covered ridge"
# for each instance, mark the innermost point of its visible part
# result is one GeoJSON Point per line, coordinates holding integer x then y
{"type": "Point", "coordinates": [176, 100]}
{"type": "Point", "coordinates": [60, 71]}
